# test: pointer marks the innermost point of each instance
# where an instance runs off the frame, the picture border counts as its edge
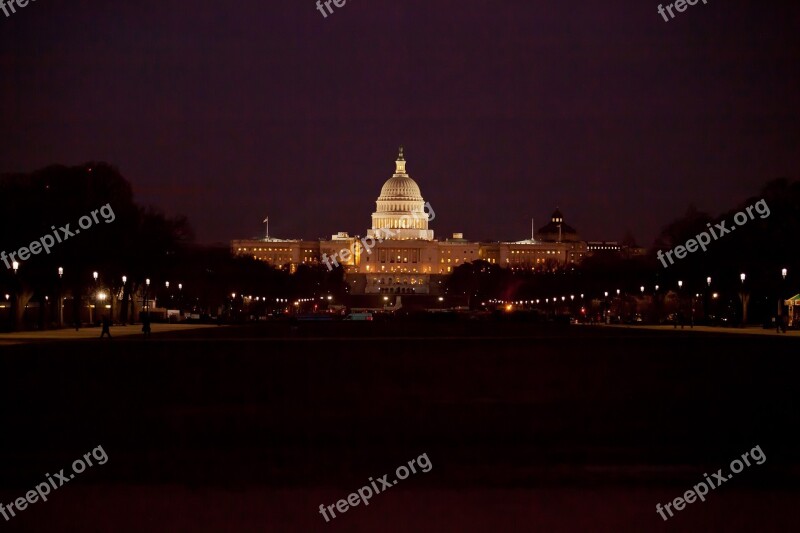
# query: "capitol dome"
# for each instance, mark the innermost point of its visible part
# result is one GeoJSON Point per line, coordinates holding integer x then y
{"type": "Point", "coordinates": [400, 188]}
{"type": "Point", "coordinates": [400, 212]}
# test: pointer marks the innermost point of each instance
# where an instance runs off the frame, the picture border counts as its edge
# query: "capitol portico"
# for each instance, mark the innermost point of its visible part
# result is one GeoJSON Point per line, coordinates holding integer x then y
{"type": "Point", "coordinates": [399, 254]}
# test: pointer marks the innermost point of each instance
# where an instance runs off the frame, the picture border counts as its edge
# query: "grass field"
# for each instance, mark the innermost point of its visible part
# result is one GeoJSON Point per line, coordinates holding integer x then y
{"type": "Point", "coordinates": [528, 428]}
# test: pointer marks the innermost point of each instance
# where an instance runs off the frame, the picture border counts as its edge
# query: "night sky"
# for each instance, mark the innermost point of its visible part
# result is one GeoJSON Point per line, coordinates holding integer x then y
{"type": "Point", "coordinates": [228, 111]}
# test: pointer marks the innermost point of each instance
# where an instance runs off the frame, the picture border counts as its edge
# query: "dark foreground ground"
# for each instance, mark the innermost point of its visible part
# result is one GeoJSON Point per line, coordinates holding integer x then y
{"type": "Point", "coordinates": [527, 428]}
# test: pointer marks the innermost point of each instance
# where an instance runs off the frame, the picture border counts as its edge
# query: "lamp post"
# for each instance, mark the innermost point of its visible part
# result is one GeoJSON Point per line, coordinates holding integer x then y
{"type": "Point", "coordinates": [782, 291]}
{"type": "Point", "coordinates": [95, 275]}
{"type": "Point", "coordinates": [180, 299]}
{"type": "Point", "coordinates": [15, 303]}
{"type": "Point", "coordinates": [147, 296]}
{"type": "Point", "coordinates": [60, 302]}
{"type": "Point", "coordinates": [744, 297]}
{"type": "Point", "coordinates": [123, 313]}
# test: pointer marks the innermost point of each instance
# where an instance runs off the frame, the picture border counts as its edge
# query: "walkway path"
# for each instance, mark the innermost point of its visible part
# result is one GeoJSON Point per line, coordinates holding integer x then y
{"type": "Point", "coordinates": [91, 333]}
{"type": "Point", "coordinates": [750, 330]}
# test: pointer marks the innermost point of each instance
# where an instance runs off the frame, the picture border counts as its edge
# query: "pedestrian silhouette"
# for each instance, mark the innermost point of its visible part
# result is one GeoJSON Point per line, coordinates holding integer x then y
{"type": "Point", "coordinates": [106, 327]}
{"type": "Point", "coordinates": [145, 325]}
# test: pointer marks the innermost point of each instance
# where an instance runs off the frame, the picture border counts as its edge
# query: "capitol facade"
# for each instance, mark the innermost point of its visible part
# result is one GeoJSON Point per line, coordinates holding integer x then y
{"type": "Point", "coordinates": [399, 254]}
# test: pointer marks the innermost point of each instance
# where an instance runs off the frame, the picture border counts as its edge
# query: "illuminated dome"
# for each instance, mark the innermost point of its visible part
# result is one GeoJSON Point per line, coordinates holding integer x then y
{"type": "Point", "coordinates": [400, 207]}
{"type": "Point", "coordinates": [400, 188]}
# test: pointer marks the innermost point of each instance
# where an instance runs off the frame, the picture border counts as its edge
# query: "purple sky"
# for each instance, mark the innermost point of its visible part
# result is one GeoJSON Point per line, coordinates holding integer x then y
{"type": "Point", "coordinates": [230, 111]}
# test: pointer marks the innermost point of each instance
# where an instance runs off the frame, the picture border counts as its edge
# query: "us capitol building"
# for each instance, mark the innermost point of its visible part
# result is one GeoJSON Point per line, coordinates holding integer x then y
{"type": "Point", "coordinates": [399, 254]}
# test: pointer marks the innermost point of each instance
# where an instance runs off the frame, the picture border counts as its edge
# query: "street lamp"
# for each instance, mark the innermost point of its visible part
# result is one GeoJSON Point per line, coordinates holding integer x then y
{"type": "Point", "coordinates": [60, 298]}
{"type": "Point", "coordinates": [780, 298]}
{"type": "Point", "coordinates": [680, 284]}
{"type": "Point", "coordinates": [95, 275]}
{"type": "Point", "coordinates": [123, 314]}
{"type": "Point", "coordinates": [745, 298]}
{"type": "Point", "coordinates": [15, 266]}
{"type": "Point", "coordinates": [642, 289]}
{"type": "Point", "coordinates": [147, 294]}
{"type": "Point", "coordinates": [708, 280]}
